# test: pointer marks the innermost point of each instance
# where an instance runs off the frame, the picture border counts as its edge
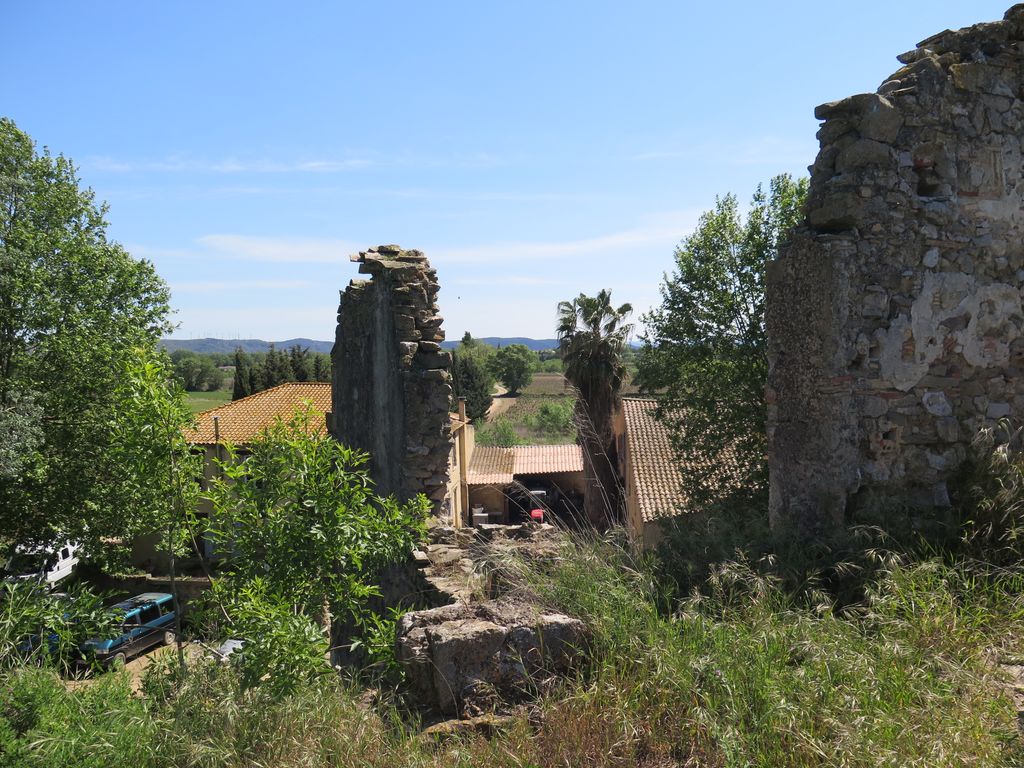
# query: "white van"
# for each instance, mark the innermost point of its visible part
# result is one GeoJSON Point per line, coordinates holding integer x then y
{"type": "Point", "coordinates": [46, 565]}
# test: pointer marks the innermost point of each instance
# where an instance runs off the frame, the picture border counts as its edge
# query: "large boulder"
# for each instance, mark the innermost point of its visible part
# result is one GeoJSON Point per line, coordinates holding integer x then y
{"type": "Point", "coordinates": [465, 659]}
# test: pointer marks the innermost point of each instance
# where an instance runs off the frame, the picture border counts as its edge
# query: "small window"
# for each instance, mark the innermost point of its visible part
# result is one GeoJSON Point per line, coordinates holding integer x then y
{"type": "Point", "coordinates": [65, 554]}
{"type": "Point", "coordinates": [131, 621]}
{"type": "Point", "coordinates": [150, 613]}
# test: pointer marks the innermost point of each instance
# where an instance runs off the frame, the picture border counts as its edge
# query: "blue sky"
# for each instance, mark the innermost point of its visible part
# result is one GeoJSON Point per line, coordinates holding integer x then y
{"type": "Point", "coordinates": [533, 150]}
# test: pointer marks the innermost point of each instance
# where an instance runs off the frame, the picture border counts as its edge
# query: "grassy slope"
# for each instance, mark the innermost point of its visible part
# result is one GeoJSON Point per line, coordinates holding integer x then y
{"type": "Point", "coordinates": [744, 676]}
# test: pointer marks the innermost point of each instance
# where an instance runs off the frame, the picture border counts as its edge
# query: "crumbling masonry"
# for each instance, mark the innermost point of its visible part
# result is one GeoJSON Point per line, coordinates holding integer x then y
{"type": "Point", "coordinates": [392, 387]}
{"type": "Point", "coordinates": [894, 316]}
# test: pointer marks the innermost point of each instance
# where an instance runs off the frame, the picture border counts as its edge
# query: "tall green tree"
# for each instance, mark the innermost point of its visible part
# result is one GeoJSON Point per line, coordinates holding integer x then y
{"type": "Point", "coordinates": [277, 368]}
{"type": "Point", "coordinates": [593, 335]}
{"type": "Point", "coordinates": [257, 380]}
{"type": "Point", "coordinates": [301, 363]}
{"type": "Point", "coordinates": [473, 381]}
{"type": "Point", "coordinates": [74, 306]}
{"type": "Point", "coordinates": [321, 367]}
{"type": "Point", "coordinates": [513, 366]}
{"type": "Point", "coordinates": [150, 444]}
{"type": "Point", "coordinates": [704, 347]}
{"type": "Point", "coordinates": [242, 386]}
{"type": "Point", "coordinates": [21, 435]}
{"type": "Point", "coordinates": [196, 372]}
{"type": "Point", "coordinates": [482, 353]}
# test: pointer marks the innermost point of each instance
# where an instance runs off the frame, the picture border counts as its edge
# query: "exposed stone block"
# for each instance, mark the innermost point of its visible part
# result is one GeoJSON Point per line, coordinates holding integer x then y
{"type": "Point", "coordinates": [463, 656]}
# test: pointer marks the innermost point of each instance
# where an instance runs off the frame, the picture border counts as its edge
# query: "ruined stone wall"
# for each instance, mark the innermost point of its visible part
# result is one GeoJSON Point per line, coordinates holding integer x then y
{"type": "Point", "coordinates": [894, 316]}
{"type": "Point", "coordinates": [392, 387]}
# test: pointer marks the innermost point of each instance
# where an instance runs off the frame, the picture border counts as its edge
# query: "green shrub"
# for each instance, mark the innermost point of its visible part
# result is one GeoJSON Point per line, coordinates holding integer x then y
{"type": "Point", "coordinates": [499, 432]}
{"type": "Point", "coordinates": [101, 725]}
{"type": "Point", "coordinates": [743, 673]}
{"type": "Point", "coordinates": [283, 646]}
{"type": "Point", "coordinates": [379, 635]}
{"type": "Point", "coordinates": [305, 539]}
{"type": "Point", "coordinates": [45, 627]}
{"type": "Point", "coordinates": [554, 417]}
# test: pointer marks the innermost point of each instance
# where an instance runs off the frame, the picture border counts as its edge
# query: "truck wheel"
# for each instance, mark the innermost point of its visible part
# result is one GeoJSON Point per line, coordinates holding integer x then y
{"type": "Point", "coordinates": [118, 660]}
{"type": "Point", "coordinates": [169, 638]}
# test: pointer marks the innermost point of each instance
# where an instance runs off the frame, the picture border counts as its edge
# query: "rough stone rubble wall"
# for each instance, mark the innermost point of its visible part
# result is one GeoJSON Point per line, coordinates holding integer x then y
{"type": "Point", "coordinates": [392, 386]}
{"type": "Point", "coordinates": [894, 316]}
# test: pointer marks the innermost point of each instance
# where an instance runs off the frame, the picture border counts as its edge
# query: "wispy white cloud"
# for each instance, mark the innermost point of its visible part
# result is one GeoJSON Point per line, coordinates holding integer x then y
{"type": "Point", "coordinates": [154, 254]}
{"type": "Point", "coordinates": [170, 164]}
{"type": "Point", "coordinates": [307, 190]}
{"type": "Point", "coordinates": [210, 249]}
{"type": "Point", "coordinates": [177, 163]}
{"type": "Point", "coordinates": [210, 286]}
{"type": "Point", "coordinates": [505, 288]}
{"type": "Point", "coordinates": [281, 321]}
{"type": "Point", "coordinates": [229, 165]}
{"type": "Point", "coordinates": [659, 230]}
{"type": "Point", "coordinates": [281, 250]}
{"type": "Point", "coordinates": [233, 165]}
{"type": "Point", "coordinates": [519, 197]}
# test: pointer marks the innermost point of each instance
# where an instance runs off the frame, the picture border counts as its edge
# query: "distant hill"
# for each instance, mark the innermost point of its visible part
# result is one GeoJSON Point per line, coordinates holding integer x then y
{"type": "Point", "coordinates": [258, 345]}
{"type": "Point", "coordinates": [503, 341]}
{"type": "Point", "coordinates": [248, 345]}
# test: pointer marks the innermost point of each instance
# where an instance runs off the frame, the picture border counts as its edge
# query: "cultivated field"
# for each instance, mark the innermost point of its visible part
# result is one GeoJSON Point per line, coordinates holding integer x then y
{"type": "Point", "coordinates": [204, 401]}
{"type": "Point", "coordinates": [547, 384]}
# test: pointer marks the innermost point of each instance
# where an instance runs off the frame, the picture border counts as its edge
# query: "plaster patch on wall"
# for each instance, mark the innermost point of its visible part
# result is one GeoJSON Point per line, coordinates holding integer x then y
{"type": "Point", "coordinates": [952, 313]}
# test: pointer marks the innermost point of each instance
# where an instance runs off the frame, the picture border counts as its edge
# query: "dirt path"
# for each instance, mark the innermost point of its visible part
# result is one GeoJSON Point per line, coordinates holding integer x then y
{"type": "Point", "coordinates": [501, 403]}
{"type": "Point", "coordinates": [136, 668]}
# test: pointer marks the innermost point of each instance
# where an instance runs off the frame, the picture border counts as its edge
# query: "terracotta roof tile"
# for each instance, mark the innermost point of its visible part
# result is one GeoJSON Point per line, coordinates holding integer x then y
{"type": "Point", "coordinates": [241, 421]}
{"type": "Point", "coordinates": [490, 465]}
{"type": "Point", "coordinates": [655, 466]}
{"type": "Point", "coordinates": [547, 459]}
{"type": "Point", "coordinates": [493, 465]}
{"type": "Point", "coordinates": [652, 460]}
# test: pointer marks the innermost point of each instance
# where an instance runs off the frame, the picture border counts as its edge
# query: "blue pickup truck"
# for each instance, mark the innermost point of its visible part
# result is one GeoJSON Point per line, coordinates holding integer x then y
{"type": "Point", "coordinates": [141, 622]}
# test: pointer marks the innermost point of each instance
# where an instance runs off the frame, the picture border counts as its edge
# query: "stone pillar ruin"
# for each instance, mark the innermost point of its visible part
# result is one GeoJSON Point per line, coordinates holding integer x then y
{"type": "Point", "coordinates": [391, 387]}
{"type": "Point", "coordinates": [894, 315]}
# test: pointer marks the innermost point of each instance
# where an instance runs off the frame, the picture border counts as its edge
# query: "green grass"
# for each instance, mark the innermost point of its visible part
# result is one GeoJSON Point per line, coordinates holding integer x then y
{"type": "Point", "coordinates": [204, 401]}
{"type": "Point", "coordinates": [745, 675]}
{"type": "Point", "coordinates": [533, 420]}
{"type": "Point", "coordinates": [748, 675]}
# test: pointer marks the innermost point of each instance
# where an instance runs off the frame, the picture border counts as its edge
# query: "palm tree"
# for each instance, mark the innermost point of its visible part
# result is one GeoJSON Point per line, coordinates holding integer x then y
{"type": "Point", "coordinates": [592, 336]}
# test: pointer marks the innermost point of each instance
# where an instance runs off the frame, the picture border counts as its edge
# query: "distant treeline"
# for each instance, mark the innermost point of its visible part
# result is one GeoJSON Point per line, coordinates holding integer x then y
{"type": "Point", "coordinates": [256, 372]}
{"type": "Point", "coordinates": [252, 371]}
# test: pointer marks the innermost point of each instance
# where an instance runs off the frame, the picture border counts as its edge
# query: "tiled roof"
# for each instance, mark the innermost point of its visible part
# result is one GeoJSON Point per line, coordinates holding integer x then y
{"type": "Point", "coordinates": [654, 464]}
{"type": "Point", "coordinates": [241, 421]}
{"type": "Point", "coordinates": [490, 465]}
{"type": "Point", "coordinates": [652, 460]}
{"type": "Point", "coordinates": [493, 465]}
{"type": "Point", "coordinates": [547, 459]}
